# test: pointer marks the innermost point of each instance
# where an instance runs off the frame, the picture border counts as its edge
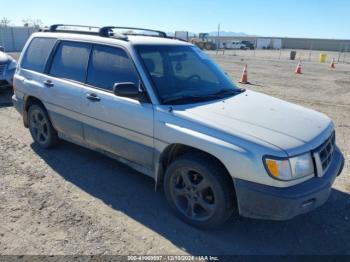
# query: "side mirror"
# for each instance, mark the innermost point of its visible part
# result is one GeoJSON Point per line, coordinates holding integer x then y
{"type": "Point", "coordinates": [2, 49]}
{"type": "Point", "coordinates": [126, 89]}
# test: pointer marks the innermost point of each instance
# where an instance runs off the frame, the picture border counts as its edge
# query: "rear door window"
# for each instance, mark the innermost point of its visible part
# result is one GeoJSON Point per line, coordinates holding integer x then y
{"type": "Point", "coordinates": [71, 61]}
{"type": "Point", "coordinates": [37, 54]}
{"type": "Point", "coordinates": [110, 65]}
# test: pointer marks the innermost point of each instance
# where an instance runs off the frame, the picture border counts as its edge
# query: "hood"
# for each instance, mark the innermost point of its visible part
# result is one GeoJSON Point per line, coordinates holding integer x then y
{"type": "Point", "coordinates": [3, 57]}
{"type": "Point", "coordinates": [285, 125]}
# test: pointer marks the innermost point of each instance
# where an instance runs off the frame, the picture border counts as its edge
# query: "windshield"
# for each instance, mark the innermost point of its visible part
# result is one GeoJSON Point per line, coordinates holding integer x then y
{"type": "Point", "coordinates": [184, 74]}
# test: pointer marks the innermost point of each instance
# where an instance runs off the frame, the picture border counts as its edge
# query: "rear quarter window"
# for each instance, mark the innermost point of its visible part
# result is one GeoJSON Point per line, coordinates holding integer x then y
{"type": "Point", "coordinates": [37, 54]}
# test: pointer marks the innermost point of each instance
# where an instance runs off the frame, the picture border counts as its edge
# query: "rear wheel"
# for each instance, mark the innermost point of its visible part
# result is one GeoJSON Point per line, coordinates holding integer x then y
{"type": "Point", "coordinates": [200, 45]}
{"type": "Point", "coordinates": [199, 190]}
{"type": "Point", "coordinates": [40, 127]}
{"type": "Point", "coordinates": [208, 46]}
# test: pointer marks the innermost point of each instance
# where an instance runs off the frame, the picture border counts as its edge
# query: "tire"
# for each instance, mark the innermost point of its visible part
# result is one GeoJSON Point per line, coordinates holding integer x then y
{"type": "Point", "coordinates": [40, 127]}
{"type": "Point", "coordinates": [208, 46]}
{"type": "Point", "coordinates": [210, 201]}
{"type": "Point", "coordinates": [200, 45]}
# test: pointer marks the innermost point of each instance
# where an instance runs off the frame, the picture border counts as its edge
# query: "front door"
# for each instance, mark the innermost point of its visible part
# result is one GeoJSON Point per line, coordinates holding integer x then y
{"type": "Point", "coordinates": [118, 125]}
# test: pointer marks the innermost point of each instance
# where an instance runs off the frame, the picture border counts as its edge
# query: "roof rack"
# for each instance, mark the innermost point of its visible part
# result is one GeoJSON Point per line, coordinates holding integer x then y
{"type": "Point", "coordinates": [108, 31]}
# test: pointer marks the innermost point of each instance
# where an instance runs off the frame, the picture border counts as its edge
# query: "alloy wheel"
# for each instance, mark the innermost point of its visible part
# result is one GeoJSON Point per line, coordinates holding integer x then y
{"type": "Point", "coordinates": [193, 195]}
{"type": "Point", "coordinates": [39, 126]}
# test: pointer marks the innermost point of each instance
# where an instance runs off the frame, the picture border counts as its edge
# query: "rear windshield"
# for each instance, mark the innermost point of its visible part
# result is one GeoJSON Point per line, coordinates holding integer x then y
{"type": "Point", "coordinates": [183, 71]}
{"type": "Point", "coordinates": [37, 53]}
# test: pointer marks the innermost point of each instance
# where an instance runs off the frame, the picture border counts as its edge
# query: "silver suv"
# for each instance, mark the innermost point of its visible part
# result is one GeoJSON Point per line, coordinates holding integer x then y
{"type": "Point", "coordinates": [164, 108]}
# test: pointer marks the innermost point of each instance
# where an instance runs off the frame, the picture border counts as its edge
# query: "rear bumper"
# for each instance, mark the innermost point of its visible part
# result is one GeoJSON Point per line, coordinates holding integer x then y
{"type": "Point", "coordinates": [273, 203]}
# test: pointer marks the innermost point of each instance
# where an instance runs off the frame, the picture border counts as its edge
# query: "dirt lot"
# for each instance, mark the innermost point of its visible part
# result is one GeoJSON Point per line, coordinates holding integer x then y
{"type": "Point", "coordinates": [74, 201]}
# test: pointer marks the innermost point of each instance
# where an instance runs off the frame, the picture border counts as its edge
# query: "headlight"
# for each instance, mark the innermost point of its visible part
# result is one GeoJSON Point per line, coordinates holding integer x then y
{"type": "Point", "coordinates": [290, 168]}
{"type": "Point", "coordinates": [12, 64]}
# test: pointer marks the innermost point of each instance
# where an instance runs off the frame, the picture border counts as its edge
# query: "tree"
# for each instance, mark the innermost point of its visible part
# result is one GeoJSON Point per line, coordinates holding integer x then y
{"type": "Point", "coordinates": [5, 21]}
{"type": "Point", "coordinates": [37, 23]}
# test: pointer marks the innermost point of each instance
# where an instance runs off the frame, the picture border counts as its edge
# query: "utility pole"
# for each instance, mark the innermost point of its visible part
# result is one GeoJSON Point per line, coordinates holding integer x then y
{"type": "Point", "coordinates": [346, 50]}
{"type": "Point", "coordinates": [218, 42]}
{"type": "Point", "coordinates": [310, 51]}
{"type": "Point", "coordinates": [340, 51]}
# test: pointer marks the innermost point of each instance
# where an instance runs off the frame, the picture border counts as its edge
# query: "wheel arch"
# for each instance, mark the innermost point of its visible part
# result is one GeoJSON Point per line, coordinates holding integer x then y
{"type": "Point", "coordinates": [175, 150]}
{"type": "Point", "coordinates": [28, 101]}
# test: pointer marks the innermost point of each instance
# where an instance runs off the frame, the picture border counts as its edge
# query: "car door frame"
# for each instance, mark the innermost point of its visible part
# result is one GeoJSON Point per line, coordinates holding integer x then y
{"type": "Point", "coordinates": [136, 139]}
{"type": "Point", "coordinates": [65, 120]}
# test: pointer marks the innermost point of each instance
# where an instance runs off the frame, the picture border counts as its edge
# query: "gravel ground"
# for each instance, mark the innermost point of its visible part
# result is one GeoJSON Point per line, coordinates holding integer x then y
{"type": "Point", "coordinates": [71, 200]}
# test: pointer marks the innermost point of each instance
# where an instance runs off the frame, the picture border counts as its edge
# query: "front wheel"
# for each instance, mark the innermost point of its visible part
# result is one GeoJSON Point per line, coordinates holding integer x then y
{"type": "Point", "coordinates": [40, 127]}
{"type": "Point", "coordinates": [199, 190]}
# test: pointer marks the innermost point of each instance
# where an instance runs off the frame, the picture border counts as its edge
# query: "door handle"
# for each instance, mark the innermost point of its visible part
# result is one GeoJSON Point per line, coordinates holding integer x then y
{"type": "Point", "coordinates": [48, 83]}
{"type": "Point", "coordinates": [93, 97]}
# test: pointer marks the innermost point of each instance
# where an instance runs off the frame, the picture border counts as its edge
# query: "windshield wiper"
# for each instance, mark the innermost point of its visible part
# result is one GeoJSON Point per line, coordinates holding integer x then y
{"type": "Point", "coordinates": [227, 92]}
{"type": "Point", "coordinates": [193, 98]}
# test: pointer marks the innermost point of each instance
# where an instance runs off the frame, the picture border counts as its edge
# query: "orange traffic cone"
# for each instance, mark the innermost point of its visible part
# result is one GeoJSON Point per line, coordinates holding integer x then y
{"type": "Point", "coordinates": [332, 64]}
{"type": "Point", "coordinates": [244, 77]}
{"type": "Point", "coordinates": [298, 68]}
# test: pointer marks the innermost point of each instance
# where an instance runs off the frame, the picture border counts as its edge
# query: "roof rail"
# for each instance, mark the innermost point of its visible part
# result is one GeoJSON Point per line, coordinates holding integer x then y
{"type": "Point", "coordinates": [108, 31]}
{"type": "Point", "coordinates": [77, 29]}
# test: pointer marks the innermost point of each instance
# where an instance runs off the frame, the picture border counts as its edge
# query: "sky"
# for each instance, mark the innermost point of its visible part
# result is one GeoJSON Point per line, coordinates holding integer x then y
{"type": "Point", "coordinates": [283, 18]}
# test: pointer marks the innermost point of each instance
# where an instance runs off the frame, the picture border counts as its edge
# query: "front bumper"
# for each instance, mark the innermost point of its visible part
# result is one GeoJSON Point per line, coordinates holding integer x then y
{"type": "Point", "coordinates": [273, 203]}
{"type": "Point", "coordinates": [4, 84]}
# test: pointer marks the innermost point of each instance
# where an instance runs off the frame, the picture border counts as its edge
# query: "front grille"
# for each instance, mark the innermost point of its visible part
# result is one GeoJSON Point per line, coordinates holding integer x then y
{"type": "Point", "coordinates": [324, 155]}
{"type": "Point", "coordinates": [2, 69]}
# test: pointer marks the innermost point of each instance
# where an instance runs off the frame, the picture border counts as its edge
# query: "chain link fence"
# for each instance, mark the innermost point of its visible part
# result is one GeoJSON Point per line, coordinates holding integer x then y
{"type": "Point", "coordinates": [284, 54]}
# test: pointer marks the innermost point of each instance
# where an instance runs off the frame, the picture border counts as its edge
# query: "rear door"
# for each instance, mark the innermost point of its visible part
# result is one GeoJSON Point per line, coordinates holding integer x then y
{"type": "Point", "coordinates": [30, 77]}
{"type": "Point", "coordinates": [63, 87]}
{"type": "Point", "coordinates": [119, 125]}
